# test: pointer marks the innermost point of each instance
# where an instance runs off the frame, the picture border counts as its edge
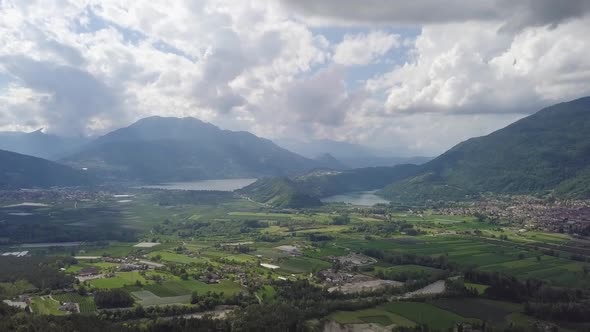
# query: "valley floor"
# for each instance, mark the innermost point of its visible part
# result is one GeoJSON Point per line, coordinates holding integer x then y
{"type": "Point", "coordinates": [184, 254]}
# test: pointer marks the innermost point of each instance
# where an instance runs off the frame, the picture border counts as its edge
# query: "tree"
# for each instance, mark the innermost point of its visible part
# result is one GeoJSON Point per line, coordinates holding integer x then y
{"type": "Point", "coordinates": [82, 290]}
{"type": "Point", "coordinates": [115, 298]}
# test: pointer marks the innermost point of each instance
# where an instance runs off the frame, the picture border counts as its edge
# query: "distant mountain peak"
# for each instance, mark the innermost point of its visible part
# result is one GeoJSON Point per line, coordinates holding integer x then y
{"type": "Point", "coordinates": [327, 160]}
{"type": "Point", "coordinates": [164, 149]}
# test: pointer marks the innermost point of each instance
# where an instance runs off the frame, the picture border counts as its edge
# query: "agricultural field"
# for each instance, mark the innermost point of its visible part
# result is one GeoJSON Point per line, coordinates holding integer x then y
{"type": "Point", "coordinates": [120, 280]}
{"type": "Point", "coordinates": [408, 269]}
{"type": "Point", "coordinates": [302, 264]}
{"type": "Point", "coordinates": [45, 305]}
{"type": "Point", "coordinates": [186, 287]}
{"type": "Point", "coordinates": [377, 315]}
{"type": "Point", "coordinates": [496, 313]}
{"type": "Point", "coordinates": [179, 292]}
{"type": "Point", "coordinates": [147, 298]}
{"type": "Point", "coordinates": [176, 258]}
{"type": "Point", "coordinates": [425, 313]}
{"type": "Point", "coordinates": [406, 314]}
{"type": "Point", "coordinates": [86, 303]}
{"type": "Point", "coordinates": [485, 255]}
{"type": "Point", "coordinates": [219, 245]}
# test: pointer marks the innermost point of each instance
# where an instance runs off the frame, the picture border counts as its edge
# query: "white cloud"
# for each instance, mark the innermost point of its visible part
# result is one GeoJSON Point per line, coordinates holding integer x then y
{"type": "Point", "coordinates": [469, 68]}
{"type": "Point", "coordinates": [362, 49]}
{"type": "Point", "coordinates": [90, 66]}
{"type": "Point", "coordinates": [179, 59]}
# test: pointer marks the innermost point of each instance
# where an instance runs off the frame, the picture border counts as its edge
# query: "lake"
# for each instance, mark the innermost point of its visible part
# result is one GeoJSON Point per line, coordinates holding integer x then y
{"type": "Point", "coordinates": [364, 198]}
{"type": "Point", "coordinates": [218, 185]}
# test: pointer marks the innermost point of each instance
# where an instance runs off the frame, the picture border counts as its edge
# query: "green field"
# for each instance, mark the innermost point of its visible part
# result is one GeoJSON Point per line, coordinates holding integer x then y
{"type": "Point", "coordinates": [44, 305]}
{"type": "Point", "coordinates": [121, 279]}
{"type": "Point", "coordinates": [177, 258]}
{"type": "Point", "coordinates": [412, 270]}
{"type": "Point", "coordinates": [86, 302]}
{"type": "Point", "coordinates": [227, 287]}
{"type": "Point", "coordinates": [424, 313]}
{"type": "Point", "coordinates": [495, 312]}
{"type": "Point", "coordinates": [485, 254]}
{"type": "Point", "coordinates": [168, 288]}
{"type": "Point", "coordinates": [195, 234]}
{"type": "Point", "coordinates": [179, 292]}
{"type": "Point", "coordinates": [103, 266]}
{"type": "Point", "coordinates": [147, 298]}
{"type": "Point", "coordinates": [302, 264]}
{"type": "Point", "coordinates": [375, 315]}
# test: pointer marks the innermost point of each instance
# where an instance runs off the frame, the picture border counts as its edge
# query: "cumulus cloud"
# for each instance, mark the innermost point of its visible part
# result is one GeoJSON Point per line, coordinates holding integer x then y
{"type": "Point", "coordinates": [362, 49]}
{"type": "Point", "coordinates": [468, 68]}
{"type": "Point", "coordinates": [72, 96]}
{"type": "Point", "coordinates": [89, 66]}
{"type": "Point", "coordinates": [321, 99]}
{"type": "Point", "coordinates": [179, 59]}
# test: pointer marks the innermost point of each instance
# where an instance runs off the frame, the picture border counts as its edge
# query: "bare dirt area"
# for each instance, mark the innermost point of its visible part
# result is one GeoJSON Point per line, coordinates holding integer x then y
{"type": "Point", "coordinates": [355, 260]}
{"type": "Point", "coordinates": [369, 327]}
{"type": "Point", "coordinates": [434, 288]}
{"type": "Point", "coordinates": [363, 286]}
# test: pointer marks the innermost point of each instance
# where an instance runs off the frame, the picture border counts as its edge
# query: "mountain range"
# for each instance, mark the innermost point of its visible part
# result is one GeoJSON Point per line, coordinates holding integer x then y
{"type": "Point", "coordinates": [547, 152]}
{"type": "Point", "coordinates": [39, 144]}
{"type": "Point", "coordinates": [349, 155]}
{"type": "Point", "coordinates": [159, 149]}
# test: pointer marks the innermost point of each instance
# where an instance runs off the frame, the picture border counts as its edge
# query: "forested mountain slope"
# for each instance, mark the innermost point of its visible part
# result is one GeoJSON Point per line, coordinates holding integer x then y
{"type": "Point", "coordinates": [549, 150]}
{"type": "Point", "coordinates": [22, 171]}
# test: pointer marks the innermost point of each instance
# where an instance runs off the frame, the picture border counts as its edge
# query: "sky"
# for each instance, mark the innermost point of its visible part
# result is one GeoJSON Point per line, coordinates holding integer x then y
{"type": "Point", "coordinates": [409, 77]}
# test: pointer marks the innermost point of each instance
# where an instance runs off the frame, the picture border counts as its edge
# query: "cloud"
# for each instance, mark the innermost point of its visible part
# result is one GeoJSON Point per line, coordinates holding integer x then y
{"type": "Point", "coordinates": [515, 14]}
{"type": "Point", "coordinates": [321, 99]}
{"type": "Point", "coordinates": [177, 59]}
{"type": "Point", "coordinates": [468, 68]}
{"type": "Point", "coordinates": [265, 66]}
{"type": "Point", "coordinates": [72, 96]}
{"type": "Point", "coordinates": [362, 49]}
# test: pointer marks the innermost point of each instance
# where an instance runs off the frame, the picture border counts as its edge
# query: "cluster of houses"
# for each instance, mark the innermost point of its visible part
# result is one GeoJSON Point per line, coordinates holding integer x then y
{"type": "Point", "coordinates": [70, 307]}
{"type": "Point", "coordinates": [52, 195]}
{"type": "Point", "coordinates": [338, 278]}
{"type": "Point", "coordinates": [571, 216]}
{"type": "Point", "coordinates": [125, 265]}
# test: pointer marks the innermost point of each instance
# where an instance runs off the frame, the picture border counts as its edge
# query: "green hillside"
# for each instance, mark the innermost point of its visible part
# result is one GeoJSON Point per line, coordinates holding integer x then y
{"type": "Point", "coordinates": [279, 192]}
{"type": "Point", "coordinates": [327, 183]}
{"type": "Point", "coordinates": [22, 171]}
{"type": "Point", "coordinates": [305, 191]}
{"type": "Point", "coordinates": [549, 150]}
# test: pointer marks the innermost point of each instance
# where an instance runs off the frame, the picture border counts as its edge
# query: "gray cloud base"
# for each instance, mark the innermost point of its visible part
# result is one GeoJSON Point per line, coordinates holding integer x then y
{"type": "Point", "coordinates": [516, 14]}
